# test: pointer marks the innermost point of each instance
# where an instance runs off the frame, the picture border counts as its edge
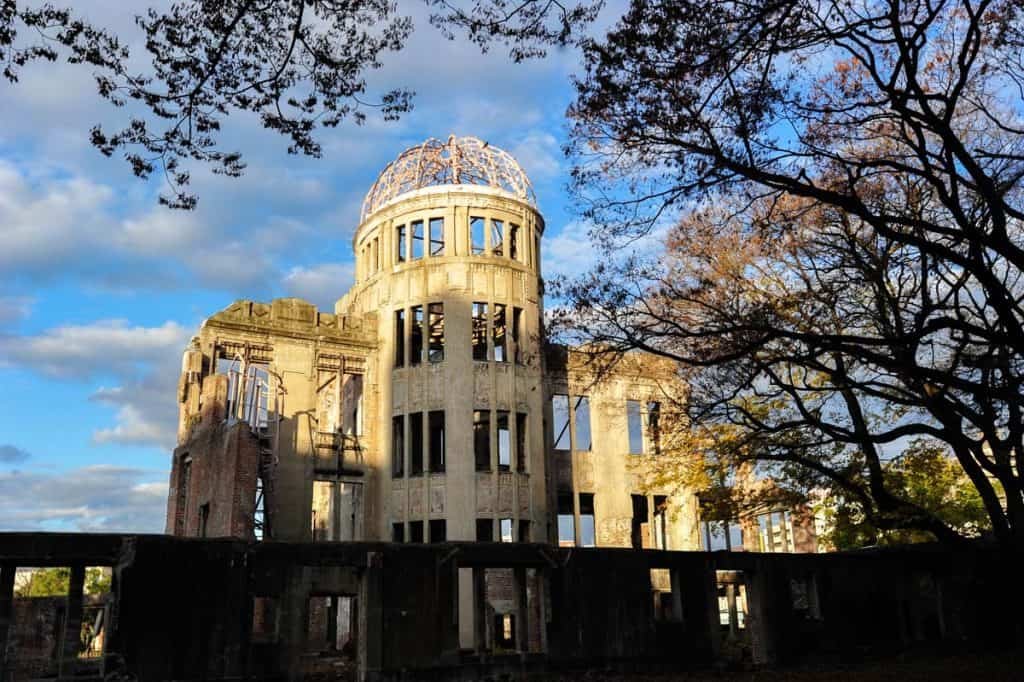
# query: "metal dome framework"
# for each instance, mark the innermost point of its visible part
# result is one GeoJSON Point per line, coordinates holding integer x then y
{"type": "Point", "coordinates": [459, 161]}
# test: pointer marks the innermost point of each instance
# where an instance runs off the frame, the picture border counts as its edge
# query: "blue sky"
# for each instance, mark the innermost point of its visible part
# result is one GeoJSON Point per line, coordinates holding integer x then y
{"type": "Point", "coordinates": [100, 288]}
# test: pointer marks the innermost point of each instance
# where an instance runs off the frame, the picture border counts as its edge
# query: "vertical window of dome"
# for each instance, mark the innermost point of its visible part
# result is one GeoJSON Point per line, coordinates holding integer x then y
{"type": "Point", "coordinates": [482, 439]}
{"type": "Point", "coordinates": [635, 427]}
{"type": "Point", "coordinates": [376, 254]}
{"type": "Point", "coordinates": [397, 447]}
{"type": "Point", "coordinates": [416, 227]}
{"type": "Point", "coordinates": [560, 421]}
{"type": "Point", "coordinates": [400, 245]}
{"type": "Point", "coordinates": [416, 336]}
{"type": "Point", "coordinates": [517, 337]}
{"type": "Point", "coordinates": [480, 331]}
{"type": "Point", "coordinates": [435, 332]}
{"type": "Point", "coordinates": [581, 417]}
{"type": "Point", "coordinates": [521, 441]}
{"type": "Point", "coordinates": [437, 237]}
{"type": "Point", "coordinates": [476, 236]}
{"type": "Point", "coordinates": [500, 334]}
{"type": "Point", "coordinates": [513, 241]}
{"type": "Point", "coordinates": [536, 251]}
{"type": "Point", "coordinates": [400, 337]}
{"type": "Point", "coordinates": [497, 237]}
{"type": "Point", "coordinates": [435, 423]}
{"type": "Point", "coordinates": [416, 444]}
{"type": "Point", "coordinates": [504, 442]}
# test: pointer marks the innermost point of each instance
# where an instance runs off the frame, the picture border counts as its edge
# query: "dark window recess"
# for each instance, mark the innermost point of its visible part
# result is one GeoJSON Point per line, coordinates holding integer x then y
{"type": "Point", "coordinates": [639, 520]}
{"type": "Point", "coordinates": [480, 331]}
{"type": "Point", "coordinates": [417, 239]}
{"type": "Point", "coordinates": [415, 531]}
{"type": "Point", "coordinates": [400, 245]}
{"type": "Point", "coordinates": [517, 336]}
{"type": "Point", "coordinates": [566, 521]}
{"type": "Point", "coordinates": [437, 236]}
{"type": "Point", "coordinates": [582, 419]}
{"type": "Point", "coordinates": [513, 241]}
{"type": "Point", "coordinates": [435, 332]}
{"type": "Point", "coordinates": [204, 519]}
{"type": "Point", "coordinates": [660, 521]}
{"type": "Point", "coordinates": [482, 439]}
{"type": "Point", "coordinates": [416, 443]}
{"type": "Point", "coordinates": [435, 425]}
{"type": "Point", "coordinates": [476, 235]}
{"type": "Point", "coordinates": [397, 447]}
{"type": "Point", "coordinates": [400, 338]}
{"type": "Point", "coordinates": [397, 532]}
{"type": "Point", "coordinates": [504, 442]}
{"type": "Point", "coordinates": [438, 530]}
{"type": "Point", "coordinates": [588, 529]}
{"type": "Point", "coordinates": [500, 334]}
{"type": "Point", "coordinates": [497, 237]}
{"type": "Point", "coordinates": [416, 336]}
{"type": "Point", "coordinates": [635, 427]}
{"type": "Point", "coordinates": [560, 422]}
{"type": "Point", "coordinates": [484, 530]}
{"type": "Point", "coordinates": [654, 424]}
{"type": "Point", "coordinates": [521, 441]}
{"type": "Point", "coordinates": [524, 531]}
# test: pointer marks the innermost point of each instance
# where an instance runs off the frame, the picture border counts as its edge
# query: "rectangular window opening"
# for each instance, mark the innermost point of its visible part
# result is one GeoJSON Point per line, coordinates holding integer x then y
{"type": "Point", "coordinates": [521, 441]}
{"type": "Point", "coordinates": [482, 439]}
{"type": "Point", "coordinates": [204, 519]}
{"type": "Point", "coordinates": [581, 417]}
{"type": "Point", "coordinates": [667, 605]}
{"type": "Point", "coordinates": [654, 424]}
{"type": "Point", "coordinates": [416, 227]}
{"type": "Point", "coordinates": [635, 427]}
{"type": "Point", "coordinates": [497, 237]}
{"type": "Point", "coordinates": [397, 447]}
{"type": "Point", "coordinates": [560, 422]}
{"type": "Point", "coordinates": [400, 338]}
{"type": "Point", "coordinates": [397, 532]}
{"type": "Point", "coordinates": [588, 529]}
{"type": "Point", "coordinates": [517, 335]}
{"type": "Point", "coordinates": [264, 619]}
{"type": "Point", "coordinates": [480, 331]}
{"type": "Point", "coordinates": [524, 530]}
{"type": "Point", "coordinates": [436, 237]}
{"type": "Point", "coordinates": [504, 442]}
{"type": "Point", "coordinates": [476, 235]}
{"type": "Point", "coordinates": [416, 336]}
{"type": "Point", "coordinates": [435, 424]}
{"type": "Point", "coordinates": [499, 333]}
{"type": "Point", "coordinates": [505, 525]}
{"type": "Point", "coordinates": [435, 332]}
{"type": "Point", "coordinates": [438, 530]}
{"type": "Point", "coordinates": [416, 532]}
{"type": "Point", "coordinates": [513, 241]}
{"type": "Point", "coordinates": [660, 521]}
{"type": "Point", "coordinates": [638, 534]}
{"type": "Point", "coordinates": [400, 244]}
{"type": "Point", "coordinates": [566, 521]}
{"type": "Point", "coordinates": [484, 530]}
{"type": "Point", "coordinates": [722, 535]}
{"type": "Point", "coordinates": [416, 444]}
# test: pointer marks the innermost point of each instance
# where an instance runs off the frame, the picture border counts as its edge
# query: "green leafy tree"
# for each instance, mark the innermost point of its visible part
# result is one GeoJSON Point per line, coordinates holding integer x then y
{"type": "Point", "coordinates": [54, 582]}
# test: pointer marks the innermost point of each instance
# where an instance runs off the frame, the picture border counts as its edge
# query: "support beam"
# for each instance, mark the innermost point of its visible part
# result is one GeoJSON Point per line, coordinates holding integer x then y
{"type": "Point", "coordinates": [71, 640]}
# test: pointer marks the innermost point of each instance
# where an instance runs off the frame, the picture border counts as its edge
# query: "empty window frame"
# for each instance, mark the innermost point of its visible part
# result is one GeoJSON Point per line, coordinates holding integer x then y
{"type": "Point", "coordinates": [722, 535]}
{"type": "Point", "coordinates": [485, 530]}
{"type": "Point", "coordinates": [416, 531]}
{"type": "Point", "coordinates": [416, 336]}
{"type": "Point", "coordinates": [635, 427]}
{"type": "Point", "coordinates": [500, 334]}
{"type": "Point", "coordinates": [513, 241]}
{"type": "Point", "coordinates": [660, 521]}
{"type": "Point", "coordinates": [400, 338]}
{"type": "Point", "coordinates": [416, 444]}
{"type": "Point", "coordinates": [259, 515]}
{"type": "Point", "coordinates": [416, 227]}
{"type": "Point", "coordinates": [497, 237]}
{"type": "Point", "coordinates": [524, 531]}
{"type": "Point", "coordinates": [639, 525]}
{"type": "Point", "coordinates": [397, 532]}
{"type": "Point", "coordinates": [560, 422]}
{"type": "Point", "coordinates": [435, 424]}
{"type": "Point", "coordinates": [504, 442]}
{"type": "Point", "coordinates": [204, 519]}
{"type": "Point", "coordinates": [480, 331]}
{"type": "Point", "coordinates": [566, 521]}
{"type": "Point", "coordinates": [536, 251]}
{"type": "Point", "coordinates": [438, 530]}
{"type": "Point", "coordinates": [436, 237]}
{"type": "Point", "coordinates": [482, 439]}
{"type": "Point", "coordinates": [400, 244]}
{"type": "Point", "coordinates": [517, 334]}
{"type": "Point", "coordinates": [775, 531]}
{"type": "Point", "coordinates": [397, 447]}
{"type": "Point", "coordinates": [588, 528]}
{"type": "Point", "coordinates": [505, 528]}
{"type": "Point", "coordinates": [376, 254]}
{"type": "Point", "coordinates": [435, 332]}
{"type": "Point", "coordinates": [581, 416]}
{"type": "Point", "coordinates": [476, 235]}
{"type": "Point", "coordinates": [654, 424]}
{"type": "Point", "coordinates": [520, 441]}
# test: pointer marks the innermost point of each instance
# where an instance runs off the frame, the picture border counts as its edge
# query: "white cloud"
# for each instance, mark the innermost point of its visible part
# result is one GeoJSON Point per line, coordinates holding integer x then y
{"type": "Point", "coordinates": [95, 498]}
{"type": "Point", "coordinates": [539, 154]}
{"type": "Point", "coordinates": [15, 308]}
{"type": "Point", "coordinates": [569, 253]}
{"type": "Point", "coordinates": [320, 284]}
